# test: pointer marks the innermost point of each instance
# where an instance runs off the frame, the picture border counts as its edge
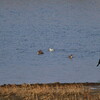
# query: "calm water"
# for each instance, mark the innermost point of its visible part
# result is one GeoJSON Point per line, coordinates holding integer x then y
{"type": "Point", "coordinates": [68, 26]}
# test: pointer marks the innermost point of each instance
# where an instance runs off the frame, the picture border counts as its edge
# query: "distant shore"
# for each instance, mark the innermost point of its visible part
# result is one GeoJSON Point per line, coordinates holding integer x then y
{"type": "Point", "coordinates": [50, 91]}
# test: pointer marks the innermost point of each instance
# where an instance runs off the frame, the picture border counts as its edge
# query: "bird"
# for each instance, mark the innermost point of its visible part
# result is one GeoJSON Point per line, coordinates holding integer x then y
{"type": "Point", "coordinates": [51, 49]}
{"type": "Point", "coordinates": [98, 63]}
{"type": "Point", "coordinates": [70, 56]}
{"type": "Point", "coordinates": [40, 52]}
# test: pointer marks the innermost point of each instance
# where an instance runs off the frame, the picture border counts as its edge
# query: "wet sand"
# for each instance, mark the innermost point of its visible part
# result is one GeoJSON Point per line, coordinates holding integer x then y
{"type": "Point", "coordinates": [50, 91]}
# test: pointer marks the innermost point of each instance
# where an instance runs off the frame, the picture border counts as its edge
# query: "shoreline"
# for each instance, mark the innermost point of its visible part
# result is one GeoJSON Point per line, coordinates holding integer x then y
{"type": "Point", "coordinates": [53, 84]}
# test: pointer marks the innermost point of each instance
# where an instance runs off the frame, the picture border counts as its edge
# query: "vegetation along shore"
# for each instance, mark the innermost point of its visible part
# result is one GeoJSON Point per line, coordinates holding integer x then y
{"type": "Point", "coordinates": [50, 91]}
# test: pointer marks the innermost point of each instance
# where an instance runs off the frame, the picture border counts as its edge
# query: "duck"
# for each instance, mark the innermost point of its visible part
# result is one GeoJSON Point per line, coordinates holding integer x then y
{"type": "Point", "coordinates": [98, 63]}
{"type": "Point", "coordinates": [51, 49]}
{"type": "Point", "coordinates": [40, 52]}
{"type": "Point", "coordinates": [70, 56]}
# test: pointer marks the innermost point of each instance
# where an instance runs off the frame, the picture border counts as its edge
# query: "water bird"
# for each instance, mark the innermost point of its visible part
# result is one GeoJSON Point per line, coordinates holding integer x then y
{"type": "Point", "coordinates": [51, 49]}
{"type": "Point", "coordinates": [98, 63]}
{"type": "Point", "coordinates": [40, 52]}
{"type": "Point", "coordinates": [70, 56]}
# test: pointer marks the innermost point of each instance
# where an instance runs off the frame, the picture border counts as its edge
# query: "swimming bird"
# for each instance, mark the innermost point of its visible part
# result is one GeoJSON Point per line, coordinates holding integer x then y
{"type": "Point", "coordinates": [40, 52]}
{"type": "Point", "coordinates": [70, 56]}
{"type": "Point", "coordinates": [98, 63]}
{"type": "Point", "coordinates": [51, 49]}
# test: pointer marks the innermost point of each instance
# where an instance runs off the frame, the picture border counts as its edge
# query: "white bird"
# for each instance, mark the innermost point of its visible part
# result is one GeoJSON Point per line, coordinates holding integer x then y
{"type": "Point", "coordinates": [51, 49]}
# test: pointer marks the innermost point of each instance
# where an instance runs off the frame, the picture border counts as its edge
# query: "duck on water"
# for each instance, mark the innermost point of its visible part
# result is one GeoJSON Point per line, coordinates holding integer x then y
{"type": "Point", "coordinates": [51, 49]}
{"type": "Point", "coordinates": [70, 56]}
{"type": "Point", "coordinates": [40, 52]}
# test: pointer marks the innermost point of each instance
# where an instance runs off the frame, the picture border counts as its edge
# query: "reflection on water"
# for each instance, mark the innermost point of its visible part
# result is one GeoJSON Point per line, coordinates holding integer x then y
{"type": "Point", "coordinates": [70, 27]}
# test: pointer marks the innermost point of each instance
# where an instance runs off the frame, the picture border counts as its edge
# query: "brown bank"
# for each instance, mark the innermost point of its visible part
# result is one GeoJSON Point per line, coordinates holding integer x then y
{"type": "Point", "coordinates": [52, 91]}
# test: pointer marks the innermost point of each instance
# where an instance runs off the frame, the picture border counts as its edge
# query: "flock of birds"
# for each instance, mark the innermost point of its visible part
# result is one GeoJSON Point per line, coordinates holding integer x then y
{"type": "Point", "coordinates": [51, 50]}
{"type": "Point", "coordinates": [41, 52]}
{"type": "Point", "coordinates": [70, 56]}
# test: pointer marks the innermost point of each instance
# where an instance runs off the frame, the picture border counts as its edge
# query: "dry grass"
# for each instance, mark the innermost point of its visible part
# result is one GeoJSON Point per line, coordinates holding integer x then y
{"type": "Point", "coordinates": [54, 91]}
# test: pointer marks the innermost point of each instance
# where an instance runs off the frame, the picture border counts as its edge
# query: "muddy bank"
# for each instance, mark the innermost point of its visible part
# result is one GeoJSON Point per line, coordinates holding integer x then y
{"type": "Point", "coordinates": [50, 91]}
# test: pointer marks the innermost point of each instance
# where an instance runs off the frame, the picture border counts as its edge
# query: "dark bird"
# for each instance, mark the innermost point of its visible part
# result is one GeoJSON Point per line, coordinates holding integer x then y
{"type": "Point", "coordinates": [98, 63]}
{"type": "Point", "coordinates": [40, 52]}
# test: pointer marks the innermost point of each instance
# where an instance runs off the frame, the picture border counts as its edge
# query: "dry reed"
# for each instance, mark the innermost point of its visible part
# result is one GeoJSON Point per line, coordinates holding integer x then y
{"type": "Point", "coordinates": [54, 91]}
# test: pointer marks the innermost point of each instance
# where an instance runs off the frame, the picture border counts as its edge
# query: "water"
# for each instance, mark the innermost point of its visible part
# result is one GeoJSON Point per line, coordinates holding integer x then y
{"type": "Point", "coordinates": [68, 26]}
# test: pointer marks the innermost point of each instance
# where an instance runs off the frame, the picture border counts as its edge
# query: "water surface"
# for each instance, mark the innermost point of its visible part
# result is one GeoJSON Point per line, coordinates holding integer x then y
{"type": "Point", "coordinates": [68, 26]}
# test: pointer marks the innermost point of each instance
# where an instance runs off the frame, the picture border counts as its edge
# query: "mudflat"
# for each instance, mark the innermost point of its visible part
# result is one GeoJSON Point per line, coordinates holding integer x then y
{"type": "Point", "coordinates": [50, 91]}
